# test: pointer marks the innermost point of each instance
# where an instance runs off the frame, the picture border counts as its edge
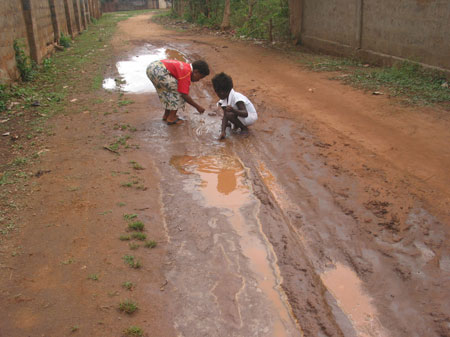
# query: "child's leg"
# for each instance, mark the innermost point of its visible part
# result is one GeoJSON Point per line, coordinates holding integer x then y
{"type": "Point", "coordinates": [233, 118]}
{"type": "Point", "coordinates": [166, 114]}
{"type": "Point", "coordinates": [172, 118]}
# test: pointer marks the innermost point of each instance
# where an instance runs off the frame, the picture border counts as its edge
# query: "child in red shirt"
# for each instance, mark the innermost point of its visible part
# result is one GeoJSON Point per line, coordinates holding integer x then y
{"type": "Point", "coordinates": [172, 80]}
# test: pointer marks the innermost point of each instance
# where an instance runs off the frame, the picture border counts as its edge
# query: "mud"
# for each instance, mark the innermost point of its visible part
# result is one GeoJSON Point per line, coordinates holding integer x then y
{"type": "Point", "coordinates": [330, 219]}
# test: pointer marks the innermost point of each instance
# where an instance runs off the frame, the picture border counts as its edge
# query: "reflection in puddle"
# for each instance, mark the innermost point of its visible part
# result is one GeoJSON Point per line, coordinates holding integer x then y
{"type": "Point", "coordinates": [132, 73]}
{"type": "Point", "coordinates": [345, 286]}
{"type": "Point", "coordinates": [223, 186]}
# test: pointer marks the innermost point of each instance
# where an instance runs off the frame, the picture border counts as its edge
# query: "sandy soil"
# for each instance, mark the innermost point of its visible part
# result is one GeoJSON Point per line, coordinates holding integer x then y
{"type": "Point", "coordinates": [339, 198]}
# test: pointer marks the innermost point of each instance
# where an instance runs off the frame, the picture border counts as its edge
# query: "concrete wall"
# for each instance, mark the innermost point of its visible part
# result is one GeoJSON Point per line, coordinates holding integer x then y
{"type": "Point", "coordinates": [12, 27]}
{"type": "Point", "coordinates": [381, 31]}
{"type": "Point", "coordinates": [39, 24]}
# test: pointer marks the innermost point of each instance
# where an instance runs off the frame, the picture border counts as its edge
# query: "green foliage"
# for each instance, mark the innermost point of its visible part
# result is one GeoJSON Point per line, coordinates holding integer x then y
{"type": "Point", "coordinates": [65, 40]}
{"type": "Point", "coordinates": [254, 25]}
{"type": "Point", "coordinates": [133, 331]}
{"type": "Point", "coordinates": [128, 306]}
{"type": "Point", "coordinates": [23, 61]}
{"type": "Point", "coordinates": [409, 81]}
{"type": "Point", "coordinates": [416, 84]}
{"type": "Point", "coordinates": [4, 97]}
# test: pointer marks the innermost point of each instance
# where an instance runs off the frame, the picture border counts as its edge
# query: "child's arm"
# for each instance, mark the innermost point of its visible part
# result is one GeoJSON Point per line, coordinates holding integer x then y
{"type": "Point", "coordinates": [224, 124]}
{"type": "Point", "coordinates": [189, 99]}
{"type": "Point", "coordinates": [241, 111]}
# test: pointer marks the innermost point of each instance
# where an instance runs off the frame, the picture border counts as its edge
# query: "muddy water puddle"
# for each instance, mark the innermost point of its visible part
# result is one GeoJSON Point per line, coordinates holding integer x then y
{"type": "Point", "coordinates": [346, 288]}
{"type": "Point", "coordinates": [223, 185]}
{"type": "Point", "coordinates": [132, 77]}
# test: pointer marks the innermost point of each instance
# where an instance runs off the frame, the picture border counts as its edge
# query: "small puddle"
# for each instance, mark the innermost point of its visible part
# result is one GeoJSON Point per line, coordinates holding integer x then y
{"type": "Point", "coordinates": [223, 186]}
{"type": "Point", "coordinates": [345, 286]}
{"type": "Point", "coordinates": [132, 72]}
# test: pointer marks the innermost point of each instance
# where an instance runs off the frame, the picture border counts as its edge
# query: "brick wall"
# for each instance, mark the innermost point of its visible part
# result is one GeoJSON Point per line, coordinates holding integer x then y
{"type": "Point", "coordinates": [39, 24]}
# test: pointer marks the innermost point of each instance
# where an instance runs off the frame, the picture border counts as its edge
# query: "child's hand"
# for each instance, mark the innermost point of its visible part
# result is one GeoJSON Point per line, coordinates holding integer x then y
{"type": "Point", "coordinates": [228, 108]}
{"type": "Point", "coordinates": [222, 136]}
{"type": "Point", "coordinates": [201, 109]}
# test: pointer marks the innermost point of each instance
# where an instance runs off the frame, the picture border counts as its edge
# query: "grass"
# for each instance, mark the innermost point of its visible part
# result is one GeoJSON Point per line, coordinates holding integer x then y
{"type": "Point", "coordinates": [125, 238]}
{"type": "Point", "coordinates": [128, 285]}
{"type": "Point", "coordinates": [93, 277]}
{"type": "Point", "coordinates": [7, 228]}
{"type": "Point", "coordinates": [407, 81]}
{"type": "Point", "coordinates": [136, 226]}
{"type": "Point", "coordinates": [129, 216]}
{"type": "Point", "coordinates": [125, 102]}
{"type": "Point", "coordinates": [139, 236]}
{"type": "Point", "coordinates": [133, 246]}
{"type": "Point", "coordinates": [130, 260]}
{"type": "Point", "coordinates": [128, 306]}
{"type": "Point", "coordinates": [136, 165]}
{"type": "Point", "coordinates": [133, 331]}
{"type": "Point", "coordinates": [150, 244]}
{"type": "Point", "coordinates": [68, 261]}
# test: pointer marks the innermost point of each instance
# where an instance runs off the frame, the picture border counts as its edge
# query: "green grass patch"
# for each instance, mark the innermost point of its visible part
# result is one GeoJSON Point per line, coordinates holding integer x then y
{"type": "Point", "coordinates": [128, 306]}
{"type": "Point", "coordinates": [133, 246]}
{"type": "Point", "coordinates": [125, 238]}
{"type": "Point", "coordinates": [136, 165]}
{"type": "Point", "coordinates": [139, 236]}
{"type": "Point", "coordinates": [133, 331]}
{"type": "Point", "coordinates": [150, 244]}
{"type": "Point", "coordinates": [93, 277]}
{"type": "Point", "coordinates": [128, 285]}
{"type": "Point", "coordinates": [136, 226]}
{"type": "Point", "coordinates": [132, 262]}
{"type": "Point", "coordinates": [130, 216]}
{"type": "Point", "coordinates": [408, 81]}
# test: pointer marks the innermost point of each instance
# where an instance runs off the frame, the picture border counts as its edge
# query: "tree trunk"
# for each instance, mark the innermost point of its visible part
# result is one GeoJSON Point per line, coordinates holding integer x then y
{"type": "Point", "coordinates": [251, 4]}
{"type": "Point", "coordinates": [226, 16]}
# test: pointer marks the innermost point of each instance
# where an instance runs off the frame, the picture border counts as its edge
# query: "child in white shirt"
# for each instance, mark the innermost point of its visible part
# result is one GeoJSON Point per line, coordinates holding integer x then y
{"type": "Point", "coordinates": [238, 111]}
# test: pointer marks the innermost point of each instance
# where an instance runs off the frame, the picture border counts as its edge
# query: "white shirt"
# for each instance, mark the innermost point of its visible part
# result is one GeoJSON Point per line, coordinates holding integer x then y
{"type": "Point", "coordinates": [233, 98]}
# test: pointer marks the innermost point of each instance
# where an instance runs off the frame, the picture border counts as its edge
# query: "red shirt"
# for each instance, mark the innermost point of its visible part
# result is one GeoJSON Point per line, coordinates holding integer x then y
{"type": "Point", "coordinates": [182, 72]}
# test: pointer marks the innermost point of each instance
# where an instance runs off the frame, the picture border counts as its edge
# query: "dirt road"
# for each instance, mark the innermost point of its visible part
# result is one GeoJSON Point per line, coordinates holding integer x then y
{"type": "Point", "coordinates": [330, 219]}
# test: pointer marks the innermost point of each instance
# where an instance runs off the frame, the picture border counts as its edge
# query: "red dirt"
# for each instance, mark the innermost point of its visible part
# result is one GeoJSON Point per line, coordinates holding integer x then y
{"type": "Point", "coordinates": [342, 178]}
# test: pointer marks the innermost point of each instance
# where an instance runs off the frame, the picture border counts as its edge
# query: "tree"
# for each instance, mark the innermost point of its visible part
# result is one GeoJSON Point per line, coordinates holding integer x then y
{"type": "Point", "coordinates": [226, 16]}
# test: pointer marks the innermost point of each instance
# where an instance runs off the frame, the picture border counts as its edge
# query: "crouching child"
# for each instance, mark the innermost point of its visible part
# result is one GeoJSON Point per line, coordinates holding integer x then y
{"type": "Point", "coordinates": [238, 111]}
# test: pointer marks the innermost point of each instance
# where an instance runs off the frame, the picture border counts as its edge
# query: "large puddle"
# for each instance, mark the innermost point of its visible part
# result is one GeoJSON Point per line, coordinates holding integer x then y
{"type": "Point", "coordinates": [132, 76]}
{"type": "Point", "coordinates": [345, 286]}
{"type": "Point", "coordinates": [223, 185]}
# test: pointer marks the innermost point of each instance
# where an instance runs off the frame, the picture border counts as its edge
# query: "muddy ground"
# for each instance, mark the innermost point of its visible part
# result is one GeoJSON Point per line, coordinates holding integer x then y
{"type": "Point", "coordinates": [330, 219]}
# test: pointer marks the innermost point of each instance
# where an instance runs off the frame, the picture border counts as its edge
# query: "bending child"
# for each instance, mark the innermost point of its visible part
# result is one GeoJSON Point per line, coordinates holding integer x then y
{"type": "Point", "coordinates": [172, 80]}
{"type": "Point", "coordinates": [238, 111]}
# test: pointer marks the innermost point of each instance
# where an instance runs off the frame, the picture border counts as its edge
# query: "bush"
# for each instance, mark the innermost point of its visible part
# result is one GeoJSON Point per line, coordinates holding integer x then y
{"type": "Point", "coordinates": [4, 97]}
{"type": "Point", "coordinates": [23, 61]}
{"type": "Point", "coordinates": [65, 41]}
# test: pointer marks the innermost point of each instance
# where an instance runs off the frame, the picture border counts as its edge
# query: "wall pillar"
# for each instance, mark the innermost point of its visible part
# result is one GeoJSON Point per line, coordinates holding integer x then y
{"type": "Point", "coordinates": [296, 19]}
{"type": "Point", "coordinates": [56, 30]}
{"type": "Point", "coordinates": [359, 23]}
{"type": "Point", "coordinates": [30, 25]}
